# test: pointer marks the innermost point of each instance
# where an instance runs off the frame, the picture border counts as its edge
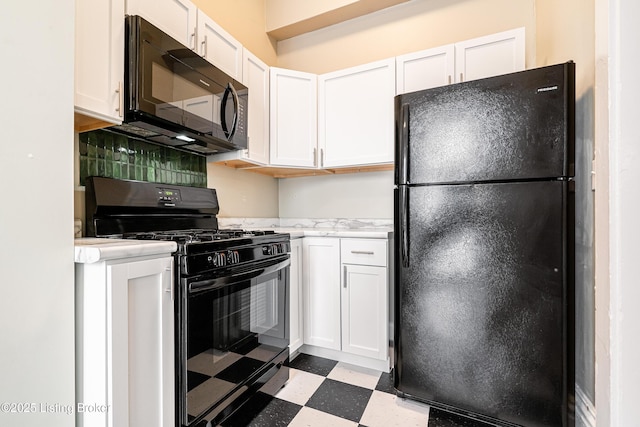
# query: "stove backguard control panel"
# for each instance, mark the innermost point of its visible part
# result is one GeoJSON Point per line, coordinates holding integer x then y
{"type": "Point", "coordinates": [168, 195]}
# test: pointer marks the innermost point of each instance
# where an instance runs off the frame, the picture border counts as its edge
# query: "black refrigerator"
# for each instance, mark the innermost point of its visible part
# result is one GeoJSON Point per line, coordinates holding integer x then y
{"type": "Point", "coordinates": [484, 247]}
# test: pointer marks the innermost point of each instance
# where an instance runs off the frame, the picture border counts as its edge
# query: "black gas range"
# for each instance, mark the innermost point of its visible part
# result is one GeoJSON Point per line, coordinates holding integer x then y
{"type": "Point", "coordinates": [231, 292]}
{"type": "Point", "coordinates": [204, 251]}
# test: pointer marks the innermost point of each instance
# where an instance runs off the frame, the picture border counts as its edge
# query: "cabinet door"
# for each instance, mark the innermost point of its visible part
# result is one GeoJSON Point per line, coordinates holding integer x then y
{"type": "Point", "coordinates": [256, 78]}
{"type": "Point", "coordinates": [219, 47]}
{"type": "Point", "coordinates": [99, 59]}
{"type": "Point", "coordinates": [491, 55]}
{"type": "Point", "coordinates": [425, 69]}
{"type": "Point", "coordinates": [321, 292]}
{"type": "Point", "coordinates": [364, 311]}
{"type": "Point", "coordinates": [293, 118]}
{"type": "Point", "coordinates": [175, 17]}
{"type": "Point", "coordinates": [296, 302]}
{"type": "Point", "coordinates": [140, 341]}
{"type": "Point", "coordinates": [355, 115]}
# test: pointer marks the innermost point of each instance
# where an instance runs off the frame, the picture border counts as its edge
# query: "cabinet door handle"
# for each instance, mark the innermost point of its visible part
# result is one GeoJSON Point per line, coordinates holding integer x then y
{"type": "Point", "coordinates": [194, 37]}
{"type": "Point", "coordinates": [449, 78]}
{"type": "Point", "coordinates": [204, 47]}
{"type": "Point", "coordinates": [322, 157]}
{"type": "Point", "coordinates": [363, 252]}
{"type": "Point", "coordinates": [120, 106]}
{"type": "Point", "coordinates": [461, 77]}
{"type": "Point", "coordinates": [345, 277]}
{"type": "Point", "coordinates": [315, 157]}
{"type": "Point", "coordinates": [167, 277]}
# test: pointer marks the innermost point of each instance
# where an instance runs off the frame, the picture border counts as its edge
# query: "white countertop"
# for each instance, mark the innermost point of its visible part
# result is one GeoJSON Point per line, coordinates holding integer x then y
{"type": "Point", "coordinates": [361, 233]}
{"type": "Point", "coordinates": [90, 249]}
{"type": "Point", "coordinates": [315, 227]}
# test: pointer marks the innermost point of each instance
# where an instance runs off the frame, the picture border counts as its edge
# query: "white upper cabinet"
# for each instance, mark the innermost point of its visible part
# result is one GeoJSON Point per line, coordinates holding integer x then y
{"type": "Point", "coordinates": [477, 58]}
{"type": "Point", "coordinates": [355, 115]}
{"type": "Point", "coordinates": [183, 21]}
{"type": "Point", "coordinates": [492, 55]}
{"type": "Point", "coordinates": [293, 118]}
{"type": "Point", "coordinates": [425, 69]}
{"type": "Point", "coordinates": [219, 47]}
{"type": "Point", "coordinates": [256, 78]}
{"type": "Point", "coordinates": [178, 18]}
{"type": "Point", "coordinates": [99, 59]}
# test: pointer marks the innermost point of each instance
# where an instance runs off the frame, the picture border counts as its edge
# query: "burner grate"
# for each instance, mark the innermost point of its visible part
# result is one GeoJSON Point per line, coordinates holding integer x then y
{"type": "Point", "coordinates": [197, 235]}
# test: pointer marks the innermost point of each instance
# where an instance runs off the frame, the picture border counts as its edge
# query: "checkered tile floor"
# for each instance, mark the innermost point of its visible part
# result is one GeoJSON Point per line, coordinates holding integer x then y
{"type": "Point", "coordinates": [322, 393]}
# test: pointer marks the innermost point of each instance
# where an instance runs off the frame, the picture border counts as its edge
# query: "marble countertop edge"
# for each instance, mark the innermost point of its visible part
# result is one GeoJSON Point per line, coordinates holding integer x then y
{"type": "Point", "coordinates": [89, 250]}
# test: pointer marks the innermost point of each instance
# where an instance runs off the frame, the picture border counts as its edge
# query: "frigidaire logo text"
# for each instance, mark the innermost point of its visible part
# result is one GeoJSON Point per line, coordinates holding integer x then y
{"type": "Point", "coordinates": [547, 89]}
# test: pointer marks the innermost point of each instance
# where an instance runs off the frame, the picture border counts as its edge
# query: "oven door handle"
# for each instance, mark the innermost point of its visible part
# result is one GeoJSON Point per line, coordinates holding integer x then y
{"type": "Point", "coordinates": [202, 284]}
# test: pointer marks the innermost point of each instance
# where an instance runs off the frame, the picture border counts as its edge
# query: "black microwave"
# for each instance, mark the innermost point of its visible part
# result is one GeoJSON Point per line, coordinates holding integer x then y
{"type": "Point", "coordinates": [175, 97]}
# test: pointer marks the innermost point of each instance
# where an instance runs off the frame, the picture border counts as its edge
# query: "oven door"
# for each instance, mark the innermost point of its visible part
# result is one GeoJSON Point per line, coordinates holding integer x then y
{"type": "Point", "coordinates": [233, 329]}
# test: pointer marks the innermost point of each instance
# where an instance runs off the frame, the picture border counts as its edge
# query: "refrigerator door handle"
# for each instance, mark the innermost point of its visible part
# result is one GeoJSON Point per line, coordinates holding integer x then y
{"type": "Point", "coordinates": [404, 225]}
{"type": "Point", "coordinates": [404, 146]}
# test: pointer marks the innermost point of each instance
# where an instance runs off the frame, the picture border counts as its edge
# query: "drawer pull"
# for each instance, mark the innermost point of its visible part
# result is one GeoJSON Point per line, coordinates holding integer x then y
{"type": "Point", "coordinates": [363, 252]}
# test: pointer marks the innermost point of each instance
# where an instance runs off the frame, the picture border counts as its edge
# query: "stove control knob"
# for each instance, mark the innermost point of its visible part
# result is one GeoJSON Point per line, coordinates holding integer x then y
{"type": "Point", "coordinates": [267, 250]}
{"type": "Point", "coordinates": [233, 257]}
{"type": "Point", "coordinates": [222, 259]}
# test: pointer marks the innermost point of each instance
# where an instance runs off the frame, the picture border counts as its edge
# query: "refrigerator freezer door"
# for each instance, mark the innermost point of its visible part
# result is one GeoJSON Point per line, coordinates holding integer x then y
{"type": "Point", "coordinates": [510, 127]}
{"type": "Point", "coordinates": [481, 302]}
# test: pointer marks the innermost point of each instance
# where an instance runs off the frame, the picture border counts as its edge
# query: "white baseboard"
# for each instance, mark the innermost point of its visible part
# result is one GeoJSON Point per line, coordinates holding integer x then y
{"type": "Point", "coordinates": [585, 410]}
{"type": "Point", "coordinates": [365, 362]}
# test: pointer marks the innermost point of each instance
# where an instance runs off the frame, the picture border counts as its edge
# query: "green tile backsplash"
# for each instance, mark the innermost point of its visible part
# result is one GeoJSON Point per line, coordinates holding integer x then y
{"type": "Point", "coordinates": [104, 153]}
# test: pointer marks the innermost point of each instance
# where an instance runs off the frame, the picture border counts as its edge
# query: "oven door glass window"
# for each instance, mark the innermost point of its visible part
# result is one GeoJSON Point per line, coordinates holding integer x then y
{"type": "Point", "coordinates": [232, 331]}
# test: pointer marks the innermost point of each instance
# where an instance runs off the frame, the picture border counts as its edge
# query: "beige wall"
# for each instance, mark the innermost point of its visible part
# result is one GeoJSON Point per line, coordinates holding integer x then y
{"type": "Point", "coordinates": [243, 194]}
{"type": "Point", "coordinates": [290, 18]}
{"type": "Point", "coordinates": [281, 13]}
{"type": "Point", "coordinates": [406, 28]}
{"type": "Point", "coordinates": [244, 20]}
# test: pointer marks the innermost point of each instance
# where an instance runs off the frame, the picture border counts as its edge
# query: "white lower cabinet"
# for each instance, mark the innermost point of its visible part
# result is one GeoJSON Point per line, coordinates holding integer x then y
{"type": "Point", "coordinates": [296, 321]}
{"type": "Point", "coordinates": [321, 291]}
{"type": "Point", "coordinates": [364, 310]}
{"type": "Point", "coordinates": [346, 300]}
{"type": "Point", "coordinates": [125, 343]}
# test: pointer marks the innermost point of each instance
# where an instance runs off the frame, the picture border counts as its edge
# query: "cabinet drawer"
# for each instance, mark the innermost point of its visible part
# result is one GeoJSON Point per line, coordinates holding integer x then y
{"type": "Point", "coordinates": [364, 251]}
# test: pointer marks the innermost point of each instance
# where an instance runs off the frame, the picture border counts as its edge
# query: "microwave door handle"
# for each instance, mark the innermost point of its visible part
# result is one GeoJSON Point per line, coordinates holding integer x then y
{"type": "Point", "coordinates": [236, 108]}
{"type": "Point", "coordinates": [223, 121]}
